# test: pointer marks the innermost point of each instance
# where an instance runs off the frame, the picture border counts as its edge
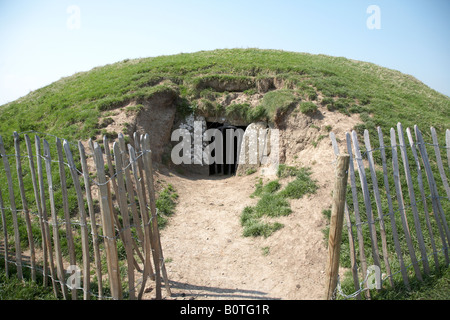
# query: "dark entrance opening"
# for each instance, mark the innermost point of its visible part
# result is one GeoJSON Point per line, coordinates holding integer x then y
{"type": "Point", "coordinates": [229, 163]}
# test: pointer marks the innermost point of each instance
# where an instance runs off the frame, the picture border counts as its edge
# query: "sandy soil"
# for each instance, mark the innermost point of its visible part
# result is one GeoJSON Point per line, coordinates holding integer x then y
{"type": "Point", "coordinates": [207, 256]}
{"type": "Point", "coordinates": [210, 259]}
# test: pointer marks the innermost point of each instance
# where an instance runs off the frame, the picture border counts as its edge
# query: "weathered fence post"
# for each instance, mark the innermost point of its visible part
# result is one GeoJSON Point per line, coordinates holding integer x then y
{"type": "Point", "coordinates": [25, 209]}
{"type": "Point", "coordinates": [65, 201]}
{"type": "Point", "coordinates": [351, 239]}
{"type": "Point", "coordinates": [83, 222]}
{"type": "Point", "coordinates": [56, 238]}
{"type": "Point", "coordinates": [48, 241]}
{"type": "Point", "coordinates": [336, 223]}
{"type": "Point", "coordinates": [123, 206]}
{"type": "Point", "coordinates": [5, 234]}
{"type": "Point", "coordinates": [94, 231]}
{"type": "Point", "coordinates": [38, 206]}
{"type": "Point", "coordinates": [391, 210]}
{"type": "Point", "coordinates": [147, 157]}
{"type": "Point", "coordinates": [108, 225]}
{"type": "Point", "coordinates": [12, 204]}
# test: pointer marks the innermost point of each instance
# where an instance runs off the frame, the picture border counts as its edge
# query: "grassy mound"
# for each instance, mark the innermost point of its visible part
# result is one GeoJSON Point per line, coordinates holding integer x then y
{"type": "Point", "coordinates": [74, 107]}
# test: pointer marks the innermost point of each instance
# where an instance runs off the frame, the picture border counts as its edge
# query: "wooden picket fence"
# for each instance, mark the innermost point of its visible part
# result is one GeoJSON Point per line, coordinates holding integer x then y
{"type": "Point", "coordinates": [104, 200]}
{"type": "Point", "coordinates": [402, 247]}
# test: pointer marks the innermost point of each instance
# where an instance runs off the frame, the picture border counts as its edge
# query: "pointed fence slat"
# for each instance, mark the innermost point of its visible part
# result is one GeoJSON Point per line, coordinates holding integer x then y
{"type": "Point", "coordinates": [5, 234]}
{"type": "Point", "coordinates": [123, 206]}
{"type": "Point", "coordinates": [336, 224]}
{"type": "Point", "coordinates": [55, 224]}
{"type": "Point", "coordinates": [25, 209]}
{"type": "Point", "coordinates": [131, 199]}
{"type": "Point", "coordinates": [415, 164]}
{"type": "Point", "coordinates": [412, 197]}
{"type": "Point", "coordinates": [137, 148]}
{"type": "Point", "coordinates": [130, 178]}
{"type": "Point", "coordinates": [110, 164]}
{"type": "Point", "coordinates": [359, 232]}
{"type": "Point", "coordinates": [48, 241]}
{"type": "Point", "coordinates": [130, 189]}
{"type": "Point", "coordinates": [423, 197]}
{"type": "Point", "coordinates": [398, 190]}
{"type": "Point", "coordinates": [83, 222]}
{"type": "Point", "coordinates": [12, 203]}
{"type": "Point", "coordinates": [439, 215]}
{"type": "Point", "coordinates": [351, 240]}
{"type": "Point", "coordinates": [93, 220]}
{"type": "Point", "coordinates": [149, 244]}
{"type": "Point", "coordinates": [108, 225]}
{"type": "Point", "coordinates": [65, 200]}
{"type": "Point", "coordinates": [378, 203]}
{"type": "Point", "coordinates": [439, 161]}
{"type": "Point", "coordinates": [38, 206]}
{"type": "Point", "coordinates": [367, 202]}
{"type": "Point", "coordinates": [112, 179]}
{"type": "Point", "coordinates": [114, 184]}
{"type": "Point", "coordinates": [447, 144]}
{"type": "Point", "coordinates": [391, 210]}
{"type": "Point", "coordinates": [148, 169]}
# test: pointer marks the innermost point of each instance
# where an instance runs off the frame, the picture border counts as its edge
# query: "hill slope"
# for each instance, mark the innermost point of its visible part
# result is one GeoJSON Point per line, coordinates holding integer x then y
{"type": "Point", "coordinates": [304, 95]}
{"type": "Point", "coordinates": [74, 107]}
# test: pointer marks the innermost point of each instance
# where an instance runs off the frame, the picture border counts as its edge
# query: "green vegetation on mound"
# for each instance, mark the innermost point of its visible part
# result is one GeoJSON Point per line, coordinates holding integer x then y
{"type": "Point", "coordinates": [77, 107]}
{"type": "Point", "coordinates": [256, 220]}
{"type": "Point", "coordinates": [72, 107]}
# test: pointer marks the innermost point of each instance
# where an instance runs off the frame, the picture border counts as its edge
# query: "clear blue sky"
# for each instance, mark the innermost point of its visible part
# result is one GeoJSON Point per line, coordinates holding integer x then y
{"type": "Point", "coordinates": [38, 44]}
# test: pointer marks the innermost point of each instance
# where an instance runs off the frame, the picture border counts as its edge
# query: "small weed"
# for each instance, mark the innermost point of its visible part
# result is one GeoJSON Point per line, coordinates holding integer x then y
{"type": "Point", "coordinates": [254, 227]}
{"type": "Point", "coordinates": [13, 289]}
{"type": "Point", "coordinates": [298, 188]}
{"type": "Point", "coordinates": [308, 107]}
{"type": "Point", "coordinates": [273, 202]}
{"type": "Point", "coordinates": [165, 204]}
{"type": "Point", "coordinates": [109, 134]}
{"type": "Point", "coordinates": [270, 187]}
{"type": "Point", "coordinates": [316, 142]}
{"type": "Point", "coordinates": [168, 260]}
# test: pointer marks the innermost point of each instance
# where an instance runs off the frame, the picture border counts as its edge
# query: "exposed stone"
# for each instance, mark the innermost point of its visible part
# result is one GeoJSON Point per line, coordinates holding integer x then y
{"type": "Point", "coordinates": [255, 139]}
{"type": "Point", "coordinates": [156, 119]}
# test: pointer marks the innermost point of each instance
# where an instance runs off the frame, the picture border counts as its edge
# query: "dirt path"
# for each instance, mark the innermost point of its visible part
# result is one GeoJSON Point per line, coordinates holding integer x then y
{"type": "Point", "coordinates": [208, 258]}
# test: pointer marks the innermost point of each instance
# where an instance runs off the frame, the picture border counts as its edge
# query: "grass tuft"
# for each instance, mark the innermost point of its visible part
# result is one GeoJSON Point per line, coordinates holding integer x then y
{"type": "Point", "coordinates": [274, 202]}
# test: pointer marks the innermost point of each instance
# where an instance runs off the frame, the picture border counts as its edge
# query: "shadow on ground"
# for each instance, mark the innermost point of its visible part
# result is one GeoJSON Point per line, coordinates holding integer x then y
{"type": "Point", "coordinates": [185, 290]}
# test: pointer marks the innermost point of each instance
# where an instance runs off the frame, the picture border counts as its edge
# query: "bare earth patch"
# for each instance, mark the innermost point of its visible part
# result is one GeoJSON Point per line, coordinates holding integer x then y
{"type": "Point", "coordinates": [208, 258]}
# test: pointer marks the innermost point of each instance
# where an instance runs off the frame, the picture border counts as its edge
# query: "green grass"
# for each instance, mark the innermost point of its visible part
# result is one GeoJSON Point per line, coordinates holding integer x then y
{"type": "Point", "coordinates": [300, 186]}
{"type": "Point", "coordinates": [165, 204]}
{"type": "Point", "coordinates": [270, 187]}
{"type": "Point", "coordinates": [73, 106]}
{"type": "Point", "coordinates": [254, 226]}
{"type": "Point", "coordinates": [273, 202]}
{"type": "Point", "coordinates": [308, 107]}
{"type": "Point", "coordinates": [437, 284]}
{"type": "Point", "coordinates": [272, 205]}
{"type": "Point", "coordinates": [79, 106]}
{"type": "Point", "coordinates": [434, 287]}
{"type": "Point", "coordinates": [13, 289]}
{"type": "Point", "coordinates": [277, 101]}
{"type": "Point", "coordinates": [250, 171]}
